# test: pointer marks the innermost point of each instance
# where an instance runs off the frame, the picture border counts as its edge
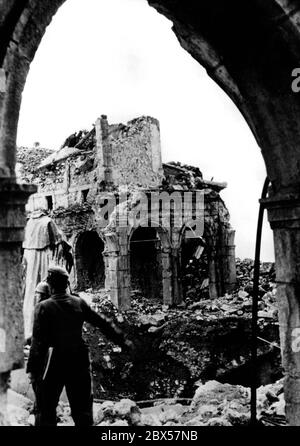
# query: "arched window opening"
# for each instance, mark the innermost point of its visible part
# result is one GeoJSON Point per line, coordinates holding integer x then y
{"type": "Point", "coordinates": [90, 270]}
{"type": "Point", "coordinates": [145, 263]}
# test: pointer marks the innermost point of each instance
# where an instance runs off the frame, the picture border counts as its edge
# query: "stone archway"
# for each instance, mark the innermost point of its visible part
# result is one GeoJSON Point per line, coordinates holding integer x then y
{"type": "Point", "coordinates": [161, 255]}
{"type": "Point", "coordinates": [250, 50]}
{"type": "Point", "coordinates": [146, 263]}
{"type": "Point", "coordinates": [89, 262]}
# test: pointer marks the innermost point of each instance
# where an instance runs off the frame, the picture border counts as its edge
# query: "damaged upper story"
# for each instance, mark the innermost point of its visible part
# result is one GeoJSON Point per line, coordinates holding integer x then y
{"type": "Point", "coordinates": [105, 158]}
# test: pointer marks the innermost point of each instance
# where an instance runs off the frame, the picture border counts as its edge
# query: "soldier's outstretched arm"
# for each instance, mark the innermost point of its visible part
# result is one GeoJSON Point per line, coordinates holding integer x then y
{"type": "Point", "coordinates": [107, 327]}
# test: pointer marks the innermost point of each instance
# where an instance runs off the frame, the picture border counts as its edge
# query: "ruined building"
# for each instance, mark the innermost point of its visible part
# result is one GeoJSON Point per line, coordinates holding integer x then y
{"type": "Point", "coordinates": [94, 186]}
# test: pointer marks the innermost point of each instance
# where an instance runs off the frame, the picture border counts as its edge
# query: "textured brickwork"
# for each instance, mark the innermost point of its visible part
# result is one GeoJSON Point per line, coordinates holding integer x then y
{"type": "Point", "coordinates": [136, 153]}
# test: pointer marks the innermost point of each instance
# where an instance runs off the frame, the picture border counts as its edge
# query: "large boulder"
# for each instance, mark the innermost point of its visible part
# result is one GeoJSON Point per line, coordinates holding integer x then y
{"type": "Point", "coordinates": [128, 410]}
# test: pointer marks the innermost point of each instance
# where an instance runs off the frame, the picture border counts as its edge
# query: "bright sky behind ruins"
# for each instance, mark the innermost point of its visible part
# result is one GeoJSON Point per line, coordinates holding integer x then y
{"type": "Point", "coordinates": [121, 58]}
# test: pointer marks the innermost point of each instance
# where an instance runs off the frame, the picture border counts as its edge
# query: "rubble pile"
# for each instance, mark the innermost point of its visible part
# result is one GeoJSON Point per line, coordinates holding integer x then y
{"type": "Point", "coordinates": [52, 174]}
{"type": "Point", "coordinates": [194, 170]}
{"type": "Point", "coordinates": [150, 373]}
{"type": "Point", "coordinates": [202, 340]}
{"type": "Point", "coordinates": [179, 176]}
{"type": "Point", "coordinates": [29, 159]}
{"type": "Point", "coordinates": [195, 280]}
{"type": "Point", "coordinates": [198, 305]}
{"type": "Point", "coordinates": [71, 210]}
{"type": "Point", "coordinates": [213, 404]}
{"type": "Point", "coordinates": [245, 272]}
{"type": "Point", "coordinates": [207, 339]}
{"type": "Point", "coordinates": [271, 404]}
{"type": "Point", "coordinates": [181, 348]}
{"type": "Point", "coordinates": [183, 176]}
{"type": "Point", "coordinates": [240, 301]}
{"type": "Point", "coordinates": [216, 404]}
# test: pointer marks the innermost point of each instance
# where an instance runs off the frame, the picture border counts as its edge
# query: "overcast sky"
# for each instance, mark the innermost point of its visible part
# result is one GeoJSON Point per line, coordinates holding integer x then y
{"type": "Point", "coordinates": [121, 58]}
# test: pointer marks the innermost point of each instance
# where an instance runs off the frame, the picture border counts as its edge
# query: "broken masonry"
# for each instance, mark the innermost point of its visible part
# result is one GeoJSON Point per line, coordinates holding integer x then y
{"type": "Point", "coordinates": [74, 182]}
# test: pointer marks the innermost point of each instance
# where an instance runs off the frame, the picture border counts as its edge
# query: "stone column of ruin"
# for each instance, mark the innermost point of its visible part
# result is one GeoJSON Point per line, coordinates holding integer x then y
{"type": "Point", "coordinates": [13, 198]}
{"type": "Point", "coordinates": [221, 264]}
{"type": "Point", "coordinates": [212, 267]}
{"type": "Point", "coordinates": [213, 284]}
{"type": "Point", "coordinates": [167, 276]}
{"type": "Point", "coordinates": [228, 261]}
{"type": "Point", "coordinates": [284, 217]}
{"type": "Point", "coordinates": [177, 296]}
{"type": "Point", "coordinates": [103, 150]}
{"type": "Point", "coordinates": [117, 268]}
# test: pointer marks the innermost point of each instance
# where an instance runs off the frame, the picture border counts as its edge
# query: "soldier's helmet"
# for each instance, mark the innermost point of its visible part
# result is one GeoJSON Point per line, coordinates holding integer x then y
{"type": "Point", "coordinates": [42, 288]}
{"type": "Point", "coordinates": [58, 277]}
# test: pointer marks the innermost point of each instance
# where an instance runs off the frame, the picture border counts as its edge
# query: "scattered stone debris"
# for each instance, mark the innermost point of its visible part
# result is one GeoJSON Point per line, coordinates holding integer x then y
{"type": "Point", "coordinates": [200, 340]}
{"type": "Point", "coordinates": [239, 302]}
{"type": "Point", "coordinates": [214, 404]}
{"type": "Point", "coordinates": [28, 160]}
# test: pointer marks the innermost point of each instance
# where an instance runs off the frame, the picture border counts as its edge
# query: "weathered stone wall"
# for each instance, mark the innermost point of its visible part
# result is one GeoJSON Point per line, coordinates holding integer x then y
{"type": "Point", "coordinates": [219, 236]}
{"type": "Point", "coordinates": [75, 220]}
{"type": "Point", "coordinates": [136, 153]}
{"type": "Point", "coordinates": [65, 181]}
{"type": "Point", "coordinates": [123, 155]}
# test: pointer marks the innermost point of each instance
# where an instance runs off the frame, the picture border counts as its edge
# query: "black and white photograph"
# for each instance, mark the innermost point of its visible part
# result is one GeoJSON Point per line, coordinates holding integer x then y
{"type": "Point", "coordinates": [149, 216]}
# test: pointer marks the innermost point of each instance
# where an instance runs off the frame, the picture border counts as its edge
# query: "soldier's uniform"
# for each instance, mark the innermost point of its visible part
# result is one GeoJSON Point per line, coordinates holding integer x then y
{"type": "Point", "coordinates": [59, 356]}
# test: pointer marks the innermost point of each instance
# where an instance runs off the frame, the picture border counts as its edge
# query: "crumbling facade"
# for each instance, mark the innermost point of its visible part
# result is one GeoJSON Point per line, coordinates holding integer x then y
{"type": "Point", "coordinates": [95, 190]}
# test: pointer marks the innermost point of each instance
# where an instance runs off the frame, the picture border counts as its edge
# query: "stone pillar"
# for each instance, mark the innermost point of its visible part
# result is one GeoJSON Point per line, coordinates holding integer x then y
{"type": "Point", "coordinates": [221, 265]}
{"type": "Point", "coordinates": [284, 217]}
{"type": "Point", "coordinates": [212, 274]}
{"type": "Point", "coordinates": [166, 276]}
{"type": "Point", "coordinates": [212, 267]}
{"type": "Point", "coordinates": [155, 276]}
{"type": "Point", "coordinates": [227, 261]}
{"type": "Point", "coordinates": [156, 147]}
{"type": "Point", "coordinates": [117, 274]}
{"type": "Point", "coordinates": [13, 198]}
{"type": "Point", "coordinates": [177, 296]}
{"type": "Point", "coordinates": [103, 149]}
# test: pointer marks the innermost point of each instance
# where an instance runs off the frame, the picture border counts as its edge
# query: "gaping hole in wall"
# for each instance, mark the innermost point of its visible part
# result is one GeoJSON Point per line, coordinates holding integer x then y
{"type": "Point", "coordinates": [194, 265]}
{"type": "Point", "coordinates": [84, 195]}
{"type": "Point", "coordinates": [89, 261]}
{"type": "Point", "coordinates": [49, 200]}
{"type": "Point", "coordinates": [145, 263]}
